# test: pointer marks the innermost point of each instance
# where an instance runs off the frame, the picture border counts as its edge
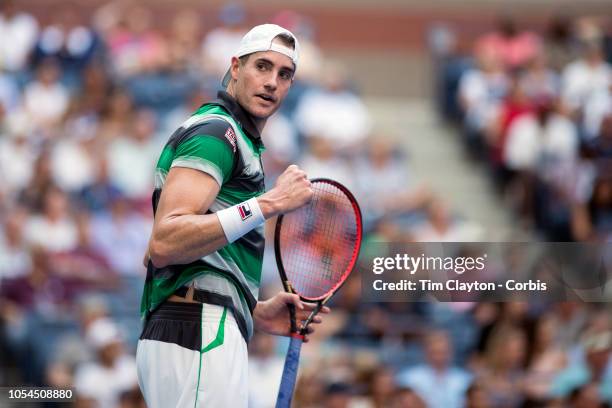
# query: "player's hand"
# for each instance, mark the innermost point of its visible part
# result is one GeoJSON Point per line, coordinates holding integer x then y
{"type": "Point", "coordinates": [272, 316]}
{"type": "Point", "coordinates": [291, 191]}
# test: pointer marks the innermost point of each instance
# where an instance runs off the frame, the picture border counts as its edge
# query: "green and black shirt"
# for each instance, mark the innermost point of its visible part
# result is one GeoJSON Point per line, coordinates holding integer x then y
{"type": "Point", "coordinates": [221, 140]}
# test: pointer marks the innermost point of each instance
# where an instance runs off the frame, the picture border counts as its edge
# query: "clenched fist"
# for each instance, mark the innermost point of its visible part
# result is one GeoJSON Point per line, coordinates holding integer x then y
{"type": "Point", "coordinates": [292, 190]}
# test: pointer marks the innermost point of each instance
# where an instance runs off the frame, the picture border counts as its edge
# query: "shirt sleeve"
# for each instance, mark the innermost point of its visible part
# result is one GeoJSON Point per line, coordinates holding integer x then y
{"type": "Point", "coordinates": [209, 148]}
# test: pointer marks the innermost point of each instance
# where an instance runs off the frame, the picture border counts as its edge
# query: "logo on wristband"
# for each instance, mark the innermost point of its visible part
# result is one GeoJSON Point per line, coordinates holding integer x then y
{"type": "Point", "coordinates": [245, 211]}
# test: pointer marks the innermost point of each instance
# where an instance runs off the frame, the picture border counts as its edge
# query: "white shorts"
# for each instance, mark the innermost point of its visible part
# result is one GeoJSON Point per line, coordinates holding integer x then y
{"type": "Point", "coordinates": [192, 355]}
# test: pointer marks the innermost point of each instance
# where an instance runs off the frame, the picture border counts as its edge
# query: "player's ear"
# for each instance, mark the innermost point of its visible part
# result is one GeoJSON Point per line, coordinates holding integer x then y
{"type": "Point", "coordinates": [235, 68]}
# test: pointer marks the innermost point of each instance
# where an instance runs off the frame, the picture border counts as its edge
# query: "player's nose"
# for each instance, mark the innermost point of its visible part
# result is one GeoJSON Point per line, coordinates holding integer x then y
{"type": "Point", "coordinates": [271, 82]}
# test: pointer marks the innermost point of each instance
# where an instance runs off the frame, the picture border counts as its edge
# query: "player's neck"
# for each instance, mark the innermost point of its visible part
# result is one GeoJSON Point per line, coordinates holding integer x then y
{"type": "Point", "coordinates": [259, 123]}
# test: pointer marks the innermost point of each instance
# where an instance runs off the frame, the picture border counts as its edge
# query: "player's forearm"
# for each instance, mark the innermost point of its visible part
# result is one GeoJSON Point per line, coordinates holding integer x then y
{"type": "Point", "coordinates": [183, 239]}
{"type": "Point", "coordinates": [182, 234]}
{"type": "Point", "coordinates": [268, 205]}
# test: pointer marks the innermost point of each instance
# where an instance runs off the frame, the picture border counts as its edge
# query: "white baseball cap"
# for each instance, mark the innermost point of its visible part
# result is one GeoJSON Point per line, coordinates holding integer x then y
{"type": "Point", "coordinates": [102, 333]}
{"type": "Point", "coordinates": [260, 38]}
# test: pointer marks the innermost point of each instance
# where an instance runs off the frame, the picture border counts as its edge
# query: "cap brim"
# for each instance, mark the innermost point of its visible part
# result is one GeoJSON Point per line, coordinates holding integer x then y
{"type": "Point", "coordinates": [226, 79]}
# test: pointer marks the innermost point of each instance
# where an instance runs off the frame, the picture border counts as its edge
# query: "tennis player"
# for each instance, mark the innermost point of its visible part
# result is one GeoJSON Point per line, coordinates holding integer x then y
{"type": "Point", "coordinates": [205, 254]}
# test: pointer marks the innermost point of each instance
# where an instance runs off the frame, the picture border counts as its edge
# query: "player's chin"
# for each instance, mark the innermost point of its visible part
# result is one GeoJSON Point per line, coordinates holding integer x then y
{"type": "Point", "coordinates": [264, 111]}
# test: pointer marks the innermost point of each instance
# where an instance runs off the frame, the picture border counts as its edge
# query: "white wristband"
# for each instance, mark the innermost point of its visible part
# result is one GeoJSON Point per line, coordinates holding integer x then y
{"type": "Point", "coordinates": [240, 219]}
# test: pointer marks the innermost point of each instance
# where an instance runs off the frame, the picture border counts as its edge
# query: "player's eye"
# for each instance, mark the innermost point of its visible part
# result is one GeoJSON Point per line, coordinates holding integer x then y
{"type": "Point", "coordinates": [260, 66]}
{"type": "Point", "coordinates": [285, 75]}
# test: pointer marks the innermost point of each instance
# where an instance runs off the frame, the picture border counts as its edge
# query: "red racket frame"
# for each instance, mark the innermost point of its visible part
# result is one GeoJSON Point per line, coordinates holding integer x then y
{"type": "Point", "coordinates": [354, 257]}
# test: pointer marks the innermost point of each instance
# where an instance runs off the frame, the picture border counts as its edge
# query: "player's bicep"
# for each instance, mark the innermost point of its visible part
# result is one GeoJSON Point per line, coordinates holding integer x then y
{"type": "Point", "coordinates": [186, 192]}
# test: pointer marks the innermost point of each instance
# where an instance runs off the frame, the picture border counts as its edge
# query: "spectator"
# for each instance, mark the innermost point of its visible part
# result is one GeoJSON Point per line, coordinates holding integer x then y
{"type": "Point", "coordinates": [132, 399]}
{"type": "Point", "coordinates": [309, 388]}
{"type": "Point", "coordinates": [481, 92]}
{"type": "Point", "coordinates": [46, 100]}
{"type": "Point", "coordinates": [131, 158]}
{"type": "Point", "coordinates": [546, 359]}
{"type": "Point", "coordinates": [323, 160]}
{"type": "Point", "coordinates": [588, 29]}
{"type": "Point", "coordinates": [441, 226]}
{"type": "Point", "coordinates": [175, 117]}
{"type": "Point", "coordinates": [280, 151]}
{"type": "Point", "coordinates": [602, 146]}
{"type": "Point", "coordinates": [72, 153]}
{"type": "Point", "coordinates": [572, 318]}
{"type": "Point", "coordinates": [117, 116]}
{"type": "Point", "coordinates": [502, 375]}
{"type": "Point", "coordinates": [597, 109]}
{"type": "Point", "coordinates": [89, 101]}
{"type": "Point", "coordinates": [15, 260]}
{"type": "Point", "coordinates": [183, 40]}
{"type": "Point", "coordinates": [337, 395]}
{"type": "Point", "coordinates": [71, 350]}
{"type": "Point", "coordinates": [515, 48]}
{"type": "Point", "coordinates": [121, 235]}
{"type": "Point", "coordinates": [585, 77]}
{"type": "Point", "coordinates": [18, 31]}
{"type": "Point", "coordinates": [54, 229]}
{"type": "Point", "coordinates": [99, 195]}
{"type": "Point", "coordinates": [134, 46]}
{"type": "Point", "coordinates": [515, 106]}
{"type": "Point", "coordinates": [560, 142]}
{"type": "Point", "coordinates": [17, 156]}
{"type": "Point", "coordinates": [476, 397]}
{"type": "Point", "coordinates": [405, 397]}
{"type": "Point", "coordinates": [10, 97]}
{"type": "Point", "coordinates": [67, 41]}
{"type": "Point", "coordinates": [586, 396]}
{"type": "Point", "coordinates": [382, 387]}
{"type": "Point", "coordinates": [543, 138]}
{"type": "Point", "coordinates": [502, 317]}
{"type": "Point", "coordinates": [44, 294]}
{"type": "Point", "coordinates": [592, 369]}
{"type": "Point", "coordinates": [592, 220]}
{"type": "Point", "coordinates": [334, 112]}
{"type": "Point", "coordinates": [563, 189]}
{"type": "Point", "coordinates": [385, 187]}
{"type": "Point", "coordinates": [112, 373]}
{"type": "Point", "coordinates": [33, 300]}
{"type": "Point", "coordinates": [537, 143]}
{"type": "Point", "coordinates": [219, 44]}
{"type": "Point", "coordinates": [85, 264]}
{"type": "Point", "coordinates": [437, 382]}
{"type": "Point", "coordinates": [540, 82]}
{"type": "Point", "coordinates": [559, 42]}
{"type": "Point", "coordinates": [265, 369]}
{"type": "Point", "coordinates": [32, 195]}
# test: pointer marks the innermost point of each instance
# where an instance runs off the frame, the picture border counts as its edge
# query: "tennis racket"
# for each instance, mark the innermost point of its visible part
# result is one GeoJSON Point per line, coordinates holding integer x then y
{"type": "Point", "coordinates": [316, 248]}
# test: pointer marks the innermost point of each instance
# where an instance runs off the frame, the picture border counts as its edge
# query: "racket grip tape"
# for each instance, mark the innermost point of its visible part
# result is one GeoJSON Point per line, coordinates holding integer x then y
{"type": "Point", "coordinates": [287, 385]}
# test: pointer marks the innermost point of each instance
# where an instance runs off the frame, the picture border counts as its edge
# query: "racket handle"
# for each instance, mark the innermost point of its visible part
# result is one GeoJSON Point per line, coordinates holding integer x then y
{"type": "Point", "coordinates": [285, 392]}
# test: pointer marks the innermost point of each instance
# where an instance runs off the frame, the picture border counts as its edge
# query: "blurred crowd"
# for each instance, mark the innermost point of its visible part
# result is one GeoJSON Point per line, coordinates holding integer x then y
{"type": "Point", "coordinates": [535, 108]}
{"type": "Point", "coordinates": [88, 100]}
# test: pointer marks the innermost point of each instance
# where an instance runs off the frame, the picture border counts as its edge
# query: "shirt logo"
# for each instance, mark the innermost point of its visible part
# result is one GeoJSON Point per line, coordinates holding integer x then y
{"type": "Point", "coordinates": [245, 211]}
{"type": "Point", "coordinates": [231, 137]}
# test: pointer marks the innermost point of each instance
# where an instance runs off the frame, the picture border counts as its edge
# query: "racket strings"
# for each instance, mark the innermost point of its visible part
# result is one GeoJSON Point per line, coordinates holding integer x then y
{"type": "Point", "coordinates": [318, 241]}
